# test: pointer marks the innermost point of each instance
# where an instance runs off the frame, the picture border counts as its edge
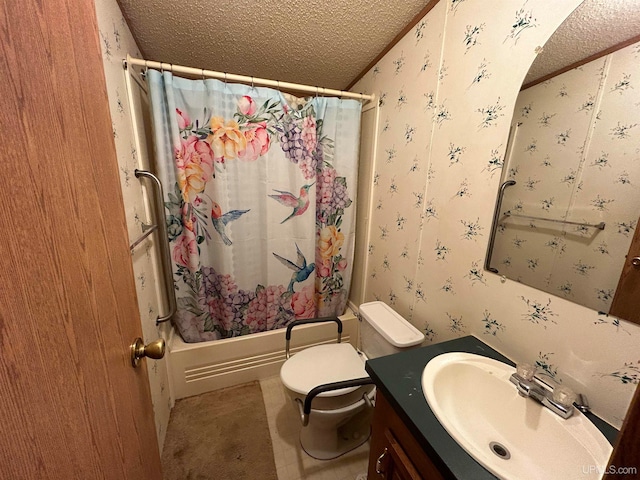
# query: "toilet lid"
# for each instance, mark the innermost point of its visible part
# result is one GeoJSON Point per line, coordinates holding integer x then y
{"type": "Point", "coordinates": [323, 364]}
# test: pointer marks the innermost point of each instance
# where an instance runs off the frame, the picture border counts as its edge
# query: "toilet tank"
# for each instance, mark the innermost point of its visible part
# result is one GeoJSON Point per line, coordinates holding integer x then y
{"type": "Point", "coordinates": [383, 331]}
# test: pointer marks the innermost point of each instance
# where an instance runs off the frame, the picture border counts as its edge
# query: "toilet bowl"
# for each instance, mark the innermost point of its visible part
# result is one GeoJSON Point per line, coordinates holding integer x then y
{"type": "Point", "coordinates": [339, 420]}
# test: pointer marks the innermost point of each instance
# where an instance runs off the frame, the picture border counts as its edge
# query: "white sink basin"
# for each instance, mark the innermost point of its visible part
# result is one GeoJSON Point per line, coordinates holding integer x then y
{"type": "Point", "coordinates": [474, 401]}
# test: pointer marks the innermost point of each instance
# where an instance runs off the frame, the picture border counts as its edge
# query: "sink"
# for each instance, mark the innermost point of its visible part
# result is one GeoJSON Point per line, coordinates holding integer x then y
{"type": "Point", "coordinates": [513, 437]}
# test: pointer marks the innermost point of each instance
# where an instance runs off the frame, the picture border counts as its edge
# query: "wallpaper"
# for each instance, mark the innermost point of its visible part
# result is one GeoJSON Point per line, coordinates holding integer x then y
{"type": "Point", "coordinates": [445, 93]}
{"type": "Point", "coordinates": [574, 156]}
{"type": "Point", "coordinates": [117, 41]}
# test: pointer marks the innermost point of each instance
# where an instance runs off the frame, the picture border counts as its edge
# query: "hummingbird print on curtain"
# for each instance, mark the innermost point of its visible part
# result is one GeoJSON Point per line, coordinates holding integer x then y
{"type": "Point", "coordinates": [299, 204]}
{"type": "Point", "coordinates": [241, 262]}
{"type": "Point", "coordinates": [301, 270]}
{"type": "Point", "coordinates": [220, 220]}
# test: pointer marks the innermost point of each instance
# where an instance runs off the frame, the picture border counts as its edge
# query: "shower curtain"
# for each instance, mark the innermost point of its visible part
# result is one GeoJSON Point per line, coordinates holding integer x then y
{"type": "Point", "coordinates": [259, 190]}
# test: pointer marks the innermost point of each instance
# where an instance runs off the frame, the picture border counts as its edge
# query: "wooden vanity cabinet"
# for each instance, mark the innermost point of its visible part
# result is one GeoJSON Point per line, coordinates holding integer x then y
{"type": "Point", "coordinates": [395, 453]}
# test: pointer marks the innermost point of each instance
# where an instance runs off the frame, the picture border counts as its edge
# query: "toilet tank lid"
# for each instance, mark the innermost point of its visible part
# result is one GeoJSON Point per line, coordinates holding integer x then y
{"type": "Point", "coordinates": [391, 325]}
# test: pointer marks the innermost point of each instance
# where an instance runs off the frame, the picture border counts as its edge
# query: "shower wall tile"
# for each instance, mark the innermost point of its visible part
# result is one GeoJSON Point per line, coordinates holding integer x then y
{"type": "Point", "coordinates": [460, 108]}
{"type": "Point", "coordinates": [117, 42]}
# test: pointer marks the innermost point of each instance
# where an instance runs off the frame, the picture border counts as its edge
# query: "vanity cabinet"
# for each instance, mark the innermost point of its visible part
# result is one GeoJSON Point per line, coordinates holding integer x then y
{"type": "Point", "coordinates": [395, 453]}
{"type": "Point", "coordinates": [407, 438]}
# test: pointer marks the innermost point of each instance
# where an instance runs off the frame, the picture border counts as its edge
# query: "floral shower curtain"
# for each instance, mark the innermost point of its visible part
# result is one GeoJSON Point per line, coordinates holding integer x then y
{"type": "Point", "coordinates": [259, 191]}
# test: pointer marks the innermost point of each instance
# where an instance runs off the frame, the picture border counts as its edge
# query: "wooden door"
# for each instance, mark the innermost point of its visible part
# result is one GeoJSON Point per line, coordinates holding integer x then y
{"type": "Point", "coordinates": [71, 405]}
{"type": "Point", "coordinates": [626, 302]}
{"type": "Point", "coordinates": [624, 463]}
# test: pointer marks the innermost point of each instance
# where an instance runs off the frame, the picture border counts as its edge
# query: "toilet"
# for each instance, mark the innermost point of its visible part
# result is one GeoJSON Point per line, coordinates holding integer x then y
{"type": "Point", "coordinates": [339, 420]}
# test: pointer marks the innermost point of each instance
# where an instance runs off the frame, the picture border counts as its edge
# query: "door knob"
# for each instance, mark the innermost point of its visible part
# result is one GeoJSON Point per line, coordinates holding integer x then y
{"type": "Point", "coordinates": [152, 350]}
{"type": "Point", "coordinates": [635, 261]}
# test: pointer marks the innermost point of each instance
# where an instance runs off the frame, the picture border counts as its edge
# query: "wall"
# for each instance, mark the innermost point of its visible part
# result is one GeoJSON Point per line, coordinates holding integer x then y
{"type": "Point", "coordinates": [446, 91]}
{"type": "Point", "coordinates": [569, 158]}
{"type": "Point", "coordinates": [117, 41]}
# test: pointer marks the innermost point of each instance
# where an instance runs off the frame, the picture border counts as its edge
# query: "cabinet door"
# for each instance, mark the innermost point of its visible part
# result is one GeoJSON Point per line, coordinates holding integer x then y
{"type": "Point", "coordinates": [395, 453]}
{"type": "Point", "coordinates": [398, 466]}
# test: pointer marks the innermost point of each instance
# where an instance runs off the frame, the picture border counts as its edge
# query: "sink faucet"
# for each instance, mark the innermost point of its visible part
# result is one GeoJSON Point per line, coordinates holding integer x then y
{"type": "Point", "coordinates": [559, 399]}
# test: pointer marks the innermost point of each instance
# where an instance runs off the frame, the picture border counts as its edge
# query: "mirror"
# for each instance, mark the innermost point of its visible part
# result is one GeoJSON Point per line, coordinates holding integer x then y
{"type": "Point", "coordinates": [569, 201]}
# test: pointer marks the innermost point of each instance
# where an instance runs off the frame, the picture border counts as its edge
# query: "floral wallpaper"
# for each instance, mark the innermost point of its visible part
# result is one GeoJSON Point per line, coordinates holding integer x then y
{"type": "Point", "coordinates": [445, 93]}
{"type": "Point", "coordinates": [117, 41]}
{"type": "Point", "coordinates": [573, 158]}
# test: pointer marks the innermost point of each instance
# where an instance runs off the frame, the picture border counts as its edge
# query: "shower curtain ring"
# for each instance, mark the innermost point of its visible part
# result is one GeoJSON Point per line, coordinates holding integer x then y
{"type": "Point", "coordinates": [202, 71]}
{"type": "Point", "coordinates": [252, 85]}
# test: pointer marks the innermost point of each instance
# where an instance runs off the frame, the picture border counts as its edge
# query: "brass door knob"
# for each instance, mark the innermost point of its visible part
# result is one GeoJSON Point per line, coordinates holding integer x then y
{"type": "Point", "coordinates": [152, 350]}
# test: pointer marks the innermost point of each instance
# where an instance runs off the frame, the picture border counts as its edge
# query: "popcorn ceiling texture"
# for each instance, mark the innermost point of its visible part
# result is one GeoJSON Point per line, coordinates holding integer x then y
{"type": "Point", "coordinates": [593, 27]}
{"type": "Point", "coordinates": [312, 42]}
{"type": "Point", "coordinates": [323, 43]}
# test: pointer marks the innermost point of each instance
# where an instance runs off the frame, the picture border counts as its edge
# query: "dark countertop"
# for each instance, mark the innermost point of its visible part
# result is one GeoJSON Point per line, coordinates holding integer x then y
{"type": "Point", "coordinates": [399, 376]}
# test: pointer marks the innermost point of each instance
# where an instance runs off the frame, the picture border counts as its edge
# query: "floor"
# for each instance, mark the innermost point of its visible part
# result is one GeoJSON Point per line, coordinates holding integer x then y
{"type": "Point", "coordinates": [291, 461]}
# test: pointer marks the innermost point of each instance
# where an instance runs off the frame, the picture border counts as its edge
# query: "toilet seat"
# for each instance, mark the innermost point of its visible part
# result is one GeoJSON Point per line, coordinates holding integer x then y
{"type": "Point", "coordinates": [340, 420]}
{"type": "Point", "coordinates": [323, 364]}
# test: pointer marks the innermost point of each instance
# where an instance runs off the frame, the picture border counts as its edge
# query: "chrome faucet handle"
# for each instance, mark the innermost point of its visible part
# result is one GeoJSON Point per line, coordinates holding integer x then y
{"type": "Point", "coordinates": [564, 396]}
{"type": "Point", "coordinates": [526, 371]}
{"type": "Point", "coordinates": [557, 398]}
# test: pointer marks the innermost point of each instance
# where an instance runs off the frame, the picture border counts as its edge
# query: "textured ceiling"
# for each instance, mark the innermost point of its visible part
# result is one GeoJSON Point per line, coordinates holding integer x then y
{"type": "Point", "coordinates": [593, 27]}
{"type": "Point", "coordinates": [314, 42]}
{"type": "Point", "coordinates": [329, 42]}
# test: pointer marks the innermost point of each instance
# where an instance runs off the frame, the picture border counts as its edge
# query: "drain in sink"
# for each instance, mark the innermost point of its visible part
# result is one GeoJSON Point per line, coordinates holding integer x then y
{"type": "Point", "coordinates": [500, 450]}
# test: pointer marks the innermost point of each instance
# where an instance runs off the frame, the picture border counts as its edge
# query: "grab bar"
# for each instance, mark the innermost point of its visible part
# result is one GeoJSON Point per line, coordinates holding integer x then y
{"type": "Point", "coordinates": [146, 231]}
{"type": "Point", "coordinates": [494, 226]}
{"type": "Point", "coordinates": [164, 244]}
{"type": "Point", "coordinates": [599, 226]}
{"type": "Point", "coordinates": [295, 323]}
{"type": "Point", "coordinates": [328, 387]}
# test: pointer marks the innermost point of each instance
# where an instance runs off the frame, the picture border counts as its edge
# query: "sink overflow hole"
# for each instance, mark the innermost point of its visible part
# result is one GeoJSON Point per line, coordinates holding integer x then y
{"type": "Point", "coordinates": [500, 450]}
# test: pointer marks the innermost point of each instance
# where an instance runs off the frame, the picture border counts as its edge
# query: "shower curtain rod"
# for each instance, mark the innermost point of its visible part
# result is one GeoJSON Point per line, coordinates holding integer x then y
{"type": "Point", "coordinates": [199, 72]}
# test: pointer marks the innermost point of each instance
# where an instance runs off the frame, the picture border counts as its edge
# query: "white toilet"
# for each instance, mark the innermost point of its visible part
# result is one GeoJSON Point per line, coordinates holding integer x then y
{"type": "Point", "coordinates": [339, 420]}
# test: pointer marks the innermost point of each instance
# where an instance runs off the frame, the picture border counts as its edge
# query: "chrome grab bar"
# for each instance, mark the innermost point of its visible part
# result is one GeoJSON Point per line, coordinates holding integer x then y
{"type": "Point", "coordinates": [599, 226]}
{"type": "Point", "coordinates": [164, 243]}
{"type": "Point", "coordinates": [146, 231]}
{"type": "Point", "coordinates": [494, 226]}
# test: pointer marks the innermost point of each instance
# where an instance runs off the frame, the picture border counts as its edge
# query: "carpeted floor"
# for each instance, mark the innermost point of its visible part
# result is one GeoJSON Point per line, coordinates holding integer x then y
{"type": "Point", "coordinates": [221, 435]}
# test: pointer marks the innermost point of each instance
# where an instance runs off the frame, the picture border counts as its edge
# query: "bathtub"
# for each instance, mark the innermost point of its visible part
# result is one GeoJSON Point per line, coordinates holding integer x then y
{"type": "Point", "coordinates": [196, 368]}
